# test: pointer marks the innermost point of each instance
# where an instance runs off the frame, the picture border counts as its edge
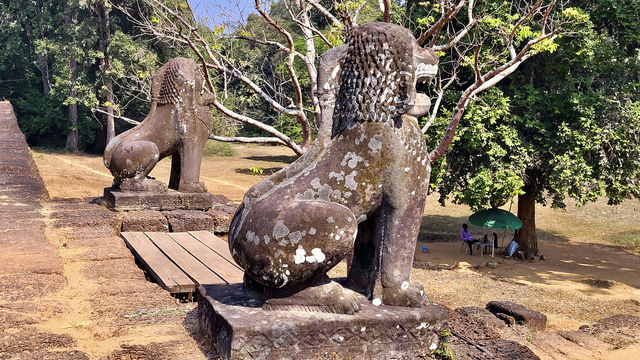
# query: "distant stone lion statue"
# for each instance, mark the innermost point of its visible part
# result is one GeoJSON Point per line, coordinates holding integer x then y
{"type": "Point", "coordinates": [178, 124]}
{"type": "Point", "coordinates": [361, 186]}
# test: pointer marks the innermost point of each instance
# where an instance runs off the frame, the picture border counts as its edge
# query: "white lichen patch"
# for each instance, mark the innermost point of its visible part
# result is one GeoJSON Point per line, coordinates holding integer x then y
{"type": "Point", "coordinates": [405, 285]}
{"type": "Point", "coordinates": [375, 144]}
{"type": "Point", "coordinates": [280, 230]}
{"type": "Point", "coordinates": [252, 237]}
{"type": "Point", "coordinates": [295, 237]}
{"type": "Point", "coordinates": [312, 231]}
{"type": "Point", "coordinates": [422, 326]}
{"type": "Point", "coordinates": [338, 176]}
{"type": "Point", "coordinates": [331, 220]}
{"type": "Point", "coordinates": [299, 257]}
{"type": "Point", "coordinates": [319, 255]}
{"type": "Point", "coordinates": [351, 160]}
{"type": "Point", "coordinates": [350, 182]}
{"type": "Point", "coordinates": [285, 280]}
{"type": "Point", "coordinates": [376, 302]}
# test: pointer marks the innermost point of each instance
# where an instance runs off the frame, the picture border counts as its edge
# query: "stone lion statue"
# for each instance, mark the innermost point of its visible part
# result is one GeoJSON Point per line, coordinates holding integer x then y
{"type": "Point", "coordinates": [361, 186]}
{"type": "Point", "coordinates": [178, 124]}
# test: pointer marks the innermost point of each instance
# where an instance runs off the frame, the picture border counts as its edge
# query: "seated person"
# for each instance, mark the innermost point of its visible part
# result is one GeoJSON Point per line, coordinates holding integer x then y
{"type": "Point", "coordinates": [465, 235]}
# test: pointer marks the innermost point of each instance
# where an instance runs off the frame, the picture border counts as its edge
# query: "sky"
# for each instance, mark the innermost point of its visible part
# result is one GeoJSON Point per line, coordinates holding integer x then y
{"type": "Point", "coordinates": [218, 12]}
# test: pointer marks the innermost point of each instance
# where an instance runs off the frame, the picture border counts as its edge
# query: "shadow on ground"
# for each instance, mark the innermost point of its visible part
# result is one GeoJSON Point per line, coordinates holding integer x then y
{"type": "Point", "coordinates": [287, 159]}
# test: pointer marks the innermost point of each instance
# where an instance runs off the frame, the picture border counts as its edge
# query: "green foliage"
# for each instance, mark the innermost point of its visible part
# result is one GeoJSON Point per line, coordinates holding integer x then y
{"type": "Point", "coordinates": [217, 148]}
{"type": "Point", "coordinates": [444, 351]}
{"type": "Point", "coordinates": [485, 164]}
{"type": "Point", "coordinates": [38, 39]}
{"type": "Point", "coordinates": [40, 119]}
{"type": "Point", "coordinates": [256, 170]}
{"type": "Point", "coordinates": [565, 125]}
{"type": "Point", "coordinates": [289, 126]}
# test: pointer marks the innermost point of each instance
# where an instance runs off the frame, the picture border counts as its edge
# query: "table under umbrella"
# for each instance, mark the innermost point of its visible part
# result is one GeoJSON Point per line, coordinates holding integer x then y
{"type": "Point", "coordinates": [495, 218]}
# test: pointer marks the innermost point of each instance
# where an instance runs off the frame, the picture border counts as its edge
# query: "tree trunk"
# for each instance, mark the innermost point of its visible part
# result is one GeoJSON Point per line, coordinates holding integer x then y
{"type": "Point", "coordinates": [44, 69]}
{"type": "Point", "coordinates": [527, 239]}
{"type": "Point", "coordinates": [104, 38]}
{"type": "Point", "coordinates": [72, 134]}
{"type": "Point", "coordinates": [111, 130]}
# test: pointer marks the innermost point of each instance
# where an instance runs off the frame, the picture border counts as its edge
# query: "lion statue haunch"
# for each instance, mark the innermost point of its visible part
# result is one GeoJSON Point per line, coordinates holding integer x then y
{"type": "Point", "coordinates": [361, 186]}
{"type": "Point", "coordinates": [178, 124]}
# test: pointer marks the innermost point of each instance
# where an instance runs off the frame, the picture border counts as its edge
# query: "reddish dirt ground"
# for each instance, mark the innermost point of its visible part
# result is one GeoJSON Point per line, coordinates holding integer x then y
{"type": "Point", "coordinates": [69, 287]}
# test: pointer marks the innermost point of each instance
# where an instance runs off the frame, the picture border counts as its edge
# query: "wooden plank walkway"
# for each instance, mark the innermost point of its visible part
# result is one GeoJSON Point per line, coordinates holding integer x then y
{"type": "Point", "coordinates": [179, 262]}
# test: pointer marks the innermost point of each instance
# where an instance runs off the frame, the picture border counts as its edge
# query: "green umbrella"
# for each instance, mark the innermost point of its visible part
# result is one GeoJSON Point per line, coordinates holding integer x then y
{"type": "Point", "coordinates": [495, 218]}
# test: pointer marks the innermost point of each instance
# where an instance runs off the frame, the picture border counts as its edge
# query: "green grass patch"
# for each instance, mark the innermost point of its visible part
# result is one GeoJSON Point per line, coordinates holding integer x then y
{"type": "Point", "coordinates": [217, 148]}
{"type": "Point", "coordinates": [628, 239]}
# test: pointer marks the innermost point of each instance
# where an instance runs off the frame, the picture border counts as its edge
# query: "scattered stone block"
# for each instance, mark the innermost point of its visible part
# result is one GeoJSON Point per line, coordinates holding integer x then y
{"type": "Point", "coordinates": [188, 220]}
{"type": "Point", "coordinates": [163, 201]}
{"type": "Point", "coordinates": [485, 337]}
{"type": "Point", "coordinates": [508, 319]}
{"type": "Point", "coordinates": [144, 220]}
{"type": "Point", "coordinates": [482, 315]}
{"type": "Point", "coordinates": [618, 330]}
{"type": "Point", "coordinates": [534, 320]}
{"type": "Point", "coordinates": [239, 328]}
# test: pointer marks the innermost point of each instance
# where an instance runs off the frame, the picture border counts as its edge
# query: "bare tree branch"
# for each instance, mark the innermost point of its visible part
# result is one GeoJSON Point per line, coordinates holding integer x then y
{"type": "Point", "coordinates": [247, 140]}
{"type": "Point", "coordinates": [447, 16]}
{"type": "Point", "coordinates": [126, 119]}
{"type": "Point", "coordinates": [321, 9]}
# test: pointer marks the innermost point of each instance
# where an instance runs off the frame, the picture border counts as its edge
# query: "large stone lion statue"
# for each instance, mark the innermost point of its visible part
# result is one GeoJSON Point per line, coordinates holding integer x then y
{"type": "Point", "coordinates": [178, 124]}
{"type": "Point", "coordinates": [361, 186]}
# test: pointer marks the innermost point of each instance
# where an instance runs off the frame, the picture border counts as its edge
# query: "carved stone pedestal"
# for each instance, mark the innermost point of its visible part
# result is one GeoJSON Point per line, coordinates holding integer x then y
{"type": "Point", "coordinates": [151, 200]}
{"type": "Point", "coordinates": [240, 329]}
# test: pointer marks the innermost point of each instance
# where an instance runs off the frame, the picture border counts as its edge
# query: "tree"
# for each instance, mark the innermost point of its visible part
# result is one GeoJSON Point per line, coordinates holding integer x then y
{"type": "Point", "coordinates": [567, 126]}
{"type": "Point", "coordinates": [59, 57]}
{"type": "Point", "coordinates": [523, 30]}
{"type": "Point", "coordinates": [103, 10]}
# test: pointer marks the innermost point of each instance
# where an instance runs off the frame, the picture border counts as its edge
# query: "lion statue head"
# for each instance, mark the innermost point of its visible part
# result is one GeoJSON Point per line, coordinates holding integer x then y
{"type": "Point", "coordinates": [378, 76]}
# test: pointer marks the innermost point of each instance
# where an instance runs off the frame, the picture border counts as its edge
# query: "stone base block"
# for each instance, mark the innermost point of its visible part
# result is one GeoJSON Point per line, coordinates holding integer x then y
{"type": "Point", "coordinates": [165, 201]}
{"type": "Point", "coordinates": [239, 328]}
{"type": "Point", "coordinates": [144, 220]}
{"type": "Point", "coordinates": [188, 220]}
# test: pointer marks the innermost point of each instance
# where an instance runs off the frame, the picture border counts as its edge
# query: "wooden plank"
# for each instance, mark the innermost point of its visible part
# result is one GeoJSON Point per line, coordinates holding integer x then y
{"type": "Point", "coordinates": [166, 273]}
{"type": "Point", "coordinates": [185, 261]}
{"type": "Point", "coordinates": [211, 259]}
{"type": "Point", "coordinates": [216, 244]}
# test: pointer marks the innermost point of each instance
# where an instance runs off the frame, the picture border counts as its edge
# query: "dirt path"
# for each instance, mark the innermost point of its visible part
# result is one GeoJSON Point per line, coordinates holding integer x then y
{"type": "Point", "coordinates": [74, 176]}
{"type": "Point", "coordinates": [69, 288]}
